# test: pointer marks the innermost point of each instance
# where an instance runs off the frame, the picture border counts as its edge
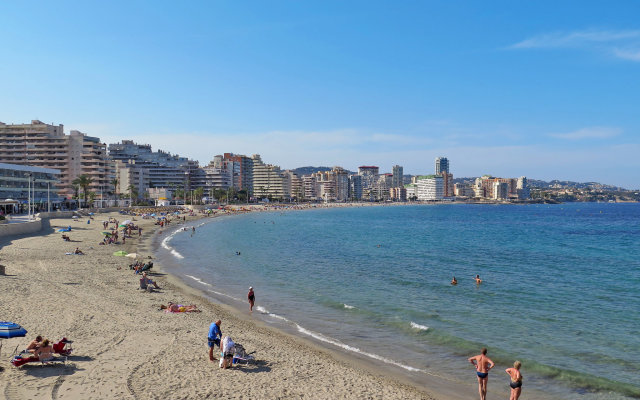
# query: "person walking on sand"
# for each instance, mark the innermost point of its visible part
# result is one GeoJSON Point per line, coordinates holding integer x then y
{"type": "Point", "coordinates": [516, 380]}
{"type": "Point", "coordinates": [215, 334]}
{"type": "Point", "coordinates": [483, 364]}
{"type": "Point", "coordinates": [252, 298]}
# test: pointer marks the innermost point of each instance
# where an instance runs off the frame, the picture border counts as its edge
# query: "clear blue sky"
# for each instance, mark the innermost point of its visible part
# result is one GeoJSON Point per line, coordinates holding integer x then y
{"type": "Point", "coordinates": [546, 89]}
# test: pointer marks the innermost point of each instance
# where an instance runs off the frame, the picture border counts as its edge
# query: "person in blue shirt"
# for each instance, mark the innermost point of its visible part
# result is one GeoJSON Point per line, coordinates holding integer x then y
{"type": "Point", "coordinates": [215, 334]}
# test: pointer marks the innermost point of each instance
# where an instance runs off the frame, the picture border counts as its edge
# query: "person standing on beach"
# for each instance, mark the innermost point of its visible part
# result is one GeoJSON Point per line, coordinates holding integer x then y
{"type": "Point", "coordinates": [252, 298]}
{"type": "Point", "coordinates": [215, 334]}
{"type": "Point", "coordinates": [483, 364]}
{"type": "Point", "coordinates": [516, 380]}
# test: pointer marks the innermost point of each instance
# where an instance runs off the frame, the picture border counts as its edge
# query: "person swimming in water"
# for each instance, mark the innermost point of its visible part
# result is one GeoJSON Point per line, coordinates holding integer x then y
{"type": "Point", "coordinates": [483, 364]}
{"type": "Point", "coordinates": [454, 281]}
{"type": "Point", "coordinates": [516, 380]}
{"type": "Point", "coordinates": [478, 280]}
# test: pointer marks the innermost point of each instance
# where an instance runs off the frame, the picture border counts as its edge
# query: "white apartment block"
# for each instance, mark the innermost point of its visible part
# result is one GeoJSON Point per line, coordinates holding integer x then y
{"type": "Point", "coordinates": [430, 188]}
{"type": "Point", "coordinates": [46, 146]}
{"type": "Point", "coordinates": [412, 190]}
{"type": "Point", "coordinates": [269, 180]}
{"type": "Point", "coordinates": [500, 191]}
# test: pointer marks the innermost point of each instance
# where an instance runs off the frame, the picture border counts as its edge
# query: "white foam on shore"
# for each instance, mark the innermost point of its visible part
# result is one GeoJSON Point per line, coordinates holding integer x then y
{"type": "Point", "coordinates": [270, 314]}
{"type": "Point", "coordinates": [348, 307]}
{"type": "Point", "coordinates": [334, 342]}
{"type": "Point", "coordinates": [165, 244]}
{"type": "Point", "coordinates": [198, 280]}
{"type": "Point", "coordinates": [418, 326]}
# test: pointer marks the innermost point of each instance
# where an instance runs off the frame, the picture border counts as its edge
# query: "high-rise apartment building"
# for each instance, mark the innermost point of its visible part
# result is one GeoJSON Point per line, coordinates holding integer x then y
{"type": "Point", "coordinates": [165, 170]}
{"type": "Point", "coordinates": [269, 180]}
{"type": "Point", "coordinates": [327, 185]}
{"type": "Point", "coordinates": [355, 187]}
{"type": "Point", "coordinates": [46, 146]}
{"type": "Point", "coordinates": [397, 172]}
{"type": "Point", "coordinates": [442, 165]}
{"type": "Point", "coordinates": [242, 172]}
{"type": "Point", "coordinates": [522, 188]}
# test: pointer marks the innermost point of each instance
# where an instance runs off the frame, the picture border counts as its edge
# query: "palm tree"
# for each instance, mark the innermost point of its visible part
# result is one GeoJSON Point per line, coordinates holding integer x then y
{"type": "Point", "coordinates": [132, 192]}
{"type": "Point", "coordinates": [83, 181]}
{"type": "Point", "coordinates": [114, 182]}
{"type": "Point", "coordinates": [198, 194]}
{"type": "Point", "coordinates": [75, 188]}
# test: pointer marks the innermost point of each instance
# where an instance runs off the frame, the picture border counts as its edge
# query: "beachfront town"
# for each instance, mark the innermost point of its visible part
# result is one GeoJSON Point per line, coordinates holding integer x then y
{"type": "Point", "coordinates": [43, 168]}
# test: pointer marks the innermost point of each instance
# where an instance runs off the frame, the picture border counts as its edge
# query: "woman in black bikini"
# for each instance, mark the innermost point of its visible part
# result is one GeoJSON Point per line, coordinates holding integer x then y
{"type": "Point", "coordinates": [516, 380]}
{"type": "Point", "coordinates": [252, 298]}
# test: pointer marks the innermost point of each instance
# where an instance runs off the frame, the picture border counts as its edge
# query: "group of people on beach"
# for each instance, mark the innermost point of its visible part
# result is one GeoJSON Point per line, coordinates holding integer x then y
{"type": "Point", "coordinates": [225, 343]}
{"type": "Point", "coordinates": [483, 364]}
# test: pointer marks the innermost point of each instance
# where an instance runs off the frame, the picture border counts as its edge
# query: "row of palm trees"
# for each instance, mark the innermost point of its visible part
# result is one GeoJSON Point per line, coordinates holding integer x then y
{"type": "Point", "coordinates": [83, 182]}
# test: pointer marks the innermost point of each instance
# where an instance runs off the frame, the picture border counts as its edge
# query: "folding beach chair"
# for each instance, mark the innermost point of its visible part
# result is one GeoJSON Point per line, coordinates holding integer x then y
{"type": "Point", "coordinates": [240, 356]}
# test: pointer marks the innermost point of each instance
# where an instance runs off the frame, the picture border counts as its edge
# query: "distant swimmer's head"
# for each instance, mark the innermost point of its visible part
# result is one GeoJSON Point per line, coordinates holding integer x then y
{"type": "Point", "coordinates": [484, 351]}
{"type": "Point", "coordinates": [517, 365]}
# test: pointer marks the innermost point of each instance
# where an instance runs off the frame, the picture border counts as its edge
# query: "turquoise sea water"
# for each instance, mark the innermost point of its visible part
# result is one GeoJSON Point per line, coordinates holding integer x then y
{"type": "Point", "coordinates": [561, 288]}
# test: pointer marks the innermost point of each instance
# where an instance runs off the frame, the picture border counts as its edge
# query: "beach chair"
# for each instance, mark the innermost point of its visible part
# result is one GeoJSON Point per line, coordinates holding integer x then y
{"type": "Point", "coordinates": [241, 356]}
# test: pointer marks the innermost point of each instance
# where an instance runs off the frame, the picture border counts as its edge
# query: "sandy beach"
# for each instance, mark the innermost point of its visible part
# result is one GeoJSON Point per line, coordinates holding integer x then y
{"type": "Point", "coordinates": [125, 347]}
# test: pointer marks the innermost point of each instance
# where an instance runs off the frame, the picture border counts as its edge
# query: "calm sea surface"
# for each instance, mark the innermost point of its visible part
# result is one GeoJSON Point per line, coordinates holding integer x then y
{"type": "Point", "coordinates": [561, 288]}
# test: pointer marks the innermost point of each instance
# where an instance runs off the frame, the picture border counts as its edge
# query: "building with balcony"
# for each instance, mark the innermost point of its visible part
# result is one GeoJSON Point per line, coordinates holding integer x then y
{"type": "Point", "coordinates": [46, 146]}
{"type": "Point", "coordinates": [269, 181]}
{"type": "Point", "coordinates": [397, 180]}
{"type": "Point", "coordinates": [355, 187]}
{"type": "Point", "coordinates": [430, 188]}
{"type": "Point", "coordinates": [165, 170]}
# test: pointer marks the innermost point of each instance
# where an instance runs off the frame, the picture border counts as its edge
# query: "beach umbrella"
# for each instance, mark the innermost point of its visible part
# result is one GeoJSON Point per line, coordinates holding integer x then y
{"type": "Point", "coordinates": [120, 253]}
{"type": "Point", "coordinates": [126, 222]}
{"type": "Point", "coordinates": [132, 255]}
{"type": "Point", "coordinates": [122, 226]}
{"type": "Point", "coordinates": [11, 329]}
{"type": "Point", "coordinates": [153, 215]}
{"type": "Point", "coordinates": [91, 213]}
{"type": "Point", "coordinates": [106, 233]}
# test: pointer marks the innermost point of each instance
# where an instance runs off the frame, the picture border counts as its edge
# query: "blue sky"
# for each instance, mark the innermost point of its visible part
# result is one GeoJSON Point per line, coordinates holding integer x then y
{"type": "Point", "coordinates": [549, 90]}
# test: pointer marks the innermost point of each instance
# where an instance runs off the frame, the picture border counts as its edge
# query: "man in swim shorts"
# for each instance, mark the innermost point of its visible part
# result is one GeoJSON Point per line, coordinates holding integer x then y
{"type": "Point", "coordinates": [215, 334]}
{"type": "Point", "coordinates": [483, 364]}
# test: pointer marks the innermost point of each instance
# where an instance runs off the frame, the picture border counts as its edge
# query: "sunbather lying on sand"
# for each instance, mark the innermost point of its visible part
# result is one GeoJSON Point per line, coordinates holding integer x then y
{"type": "Point", "coordinates": [176, 308]}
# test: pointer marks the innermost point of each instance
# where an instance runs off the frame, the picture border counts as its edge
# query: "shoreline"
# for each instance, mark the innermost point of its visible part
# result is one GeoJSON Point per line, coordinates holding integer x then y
{"type": "Point", "coordinates": [126, 348]}
{"type": "Point", "coordinates": [431, 383]}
